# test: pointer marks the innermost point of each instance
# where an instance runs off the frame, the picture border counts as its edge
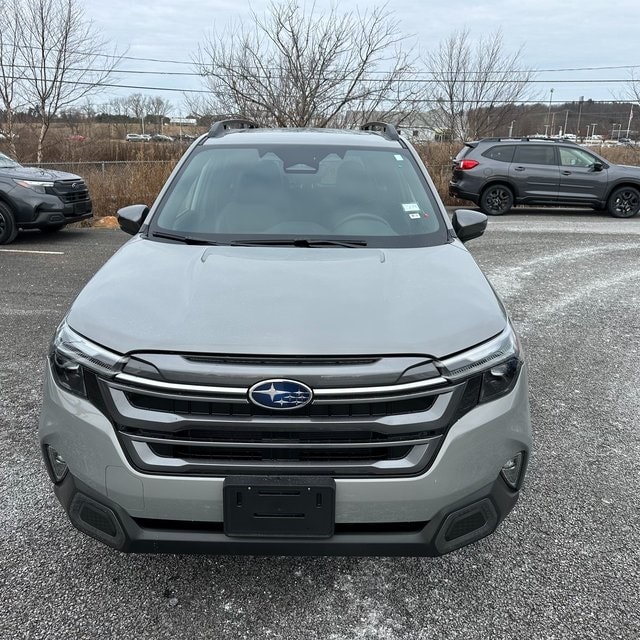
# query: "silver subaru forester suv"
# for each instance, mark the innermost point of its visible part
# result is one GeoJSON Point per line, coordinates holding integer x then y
{"type": "Point", "coordinates": [294, 354]}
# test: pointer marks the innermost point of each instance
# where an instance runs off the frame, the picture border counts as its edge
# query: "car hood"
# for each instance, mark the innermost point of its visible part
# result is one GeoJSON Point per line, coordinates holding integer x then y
{"type": "Point", "coordinates": [628, 168]}
{"type": "Point", "coordinates": [154, 296]}
{"type": "Point", "coordinates": [36, 173]}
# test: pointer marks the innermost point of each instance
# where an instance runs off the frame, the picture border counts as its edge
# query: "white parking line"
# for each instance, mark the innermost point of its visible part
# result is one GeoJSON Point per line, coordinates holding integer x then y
{"type": "Point", "coordinates": [48, 253]}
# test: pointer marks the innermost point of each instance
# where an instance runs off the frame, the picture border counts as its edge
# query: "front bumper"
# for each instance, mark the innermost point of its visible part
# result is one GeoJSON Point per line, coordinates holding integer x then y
{"type": "Point", "coordinates": [37, 210]}
{"type": "Point", "coordinates": [470, 519]}
{"type": "Point", "coordinates": [373, 515]}
{"type": "Point", "coordinates": [54, 218]}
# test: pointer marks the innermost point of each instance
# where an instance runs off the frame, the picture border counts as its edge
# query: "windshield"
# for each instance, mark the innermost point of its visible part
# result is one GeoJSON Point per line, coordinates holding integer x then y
{"type": "Point", "coordinates": [6, 162]}
{"type": "Point", "coordinates": [275, 194]}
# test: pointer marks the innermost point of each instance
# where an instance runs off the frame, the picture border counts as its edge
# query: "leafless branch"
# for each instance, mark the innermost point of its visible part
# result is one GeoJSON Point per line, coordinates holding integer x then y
{"type": "Point", "coordinates": [293, 67]}
{"type": "Point", "coordinates": [476, 86]}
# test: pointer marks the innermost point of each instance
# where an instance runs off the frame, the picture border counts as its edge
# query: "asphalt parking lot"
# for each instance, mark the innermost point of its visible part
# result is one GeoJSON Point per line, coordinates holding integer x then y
{"type": "Point", "coordinates": [566, 564]}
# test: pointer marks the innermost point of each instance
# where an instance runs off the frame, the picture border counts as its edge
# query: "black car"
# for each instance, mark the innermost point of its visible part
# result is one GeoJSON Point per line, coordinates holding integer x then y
{"type": "Point", "coordinates": [34, 198]}
{"type": "Point", "coordinates": [498, 173]}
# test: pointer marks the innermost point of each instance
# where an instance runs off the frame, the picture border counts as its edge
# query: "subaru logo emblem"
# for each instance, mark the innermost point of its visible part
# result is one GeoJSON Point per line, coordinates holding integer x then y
{"type": "Point", "coordinates": [280, 394]}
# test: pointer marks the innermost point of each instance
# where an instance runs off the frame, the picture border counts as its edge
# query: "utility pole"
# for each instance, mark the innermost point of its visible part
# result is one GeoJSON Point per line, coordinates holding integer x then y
{"type": "Point", "coordinates": [566, 122]}
{"type": "Point", "coordinates": [511, 128]}
{"type": "Point", "coordinates": [580, 102]}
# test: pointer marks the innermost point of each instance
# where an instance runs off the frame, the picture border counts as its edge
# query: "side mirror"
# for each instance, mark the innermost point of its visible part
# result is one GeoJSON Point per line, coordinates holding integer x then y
{"type": "Point", "coordinates": [131, 218]}
{"type": "Point", "coordinates": [598, 166]}
{"type": "Point", "coordinates": [469, 224]}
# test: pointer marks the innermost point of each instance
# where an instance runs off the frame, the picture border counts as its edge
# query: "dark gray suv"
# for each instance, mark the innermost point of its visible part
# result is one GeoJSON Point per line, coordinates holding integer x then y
{"type": "Point", "coordinates": [498, 173]}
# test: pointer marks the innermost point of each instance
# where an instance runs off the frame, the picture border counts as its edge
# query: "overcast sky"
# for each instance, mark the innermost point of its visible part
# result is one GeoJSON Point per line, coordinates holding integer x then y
{"type": "Point", "coordinates": [553, 34]}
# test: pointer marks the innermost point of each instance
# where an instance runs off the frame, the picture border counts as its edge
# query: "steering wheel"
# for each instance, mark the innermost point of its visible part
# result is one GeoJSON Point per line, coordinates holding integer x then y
{"type": "Point", "coordinates": [362, 216]}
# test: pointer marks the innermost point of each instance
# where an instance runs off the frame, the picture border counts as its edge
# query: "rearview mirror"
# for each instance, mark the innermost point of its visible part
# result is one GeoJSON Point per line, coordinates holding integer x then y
{"type": "Point", "coordinates": [598, 166]}
{"type": "Point", "coordinates": [469, 224]}
{"type": "Point", "coordinates": [131, 218]}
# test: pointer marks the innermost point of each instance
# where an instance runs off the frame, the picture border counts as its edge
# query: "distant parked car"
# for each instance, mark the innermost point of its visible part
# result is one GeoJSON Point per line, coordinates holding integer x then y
{"type": "Point", "coordinates": [34, 198]}
{"type": "Point", "coordinates": [498, 173]}
{"type": "Point", "coordinates": [134, 137]}
{"type": "Point", "coordinates": [158, 137]}
{"type": "Point", "coordinates": [184, 137]}
{"type": "Point", "coordinates": [76, 138]}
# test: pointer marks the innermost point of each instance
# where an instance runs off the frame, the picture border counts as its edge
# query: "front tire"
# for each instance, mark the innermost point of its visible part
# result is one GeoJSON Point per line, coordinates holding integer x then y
{"type": "Point", "coordinates": [624, 202]}
{"type": "Point", "coordinates": [8, 228]}
{"type": "Point", "coordinates": [496, 200]}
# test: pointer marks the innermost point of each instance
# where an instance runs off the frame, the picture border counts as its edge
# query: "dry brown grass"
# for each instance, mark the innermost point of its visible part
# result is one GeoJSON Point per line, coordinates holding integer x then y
{"type": "Point", "coordinates": [437, 157]}
{"type": "Point", "coordinates": [143, 168]}
{"type": "Point", "coordinates": [123, 184]}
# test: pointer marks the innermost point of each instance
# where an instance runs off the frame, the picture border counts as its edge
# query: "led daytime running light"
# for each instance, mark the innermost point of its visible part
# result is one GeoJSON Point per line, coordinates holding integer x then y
{"type": "Point", "coordinates": [487, 355]}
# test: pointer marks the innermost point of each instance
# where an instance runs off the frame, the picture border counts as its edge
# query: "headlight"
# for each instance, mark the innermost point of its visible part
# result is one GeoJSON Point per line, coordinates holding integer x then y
{"type": "Point", "coordinates": [36, 185]}
{"type": "Point", "coordinates": [492, 368]}
{"type": "Point", "coordinates": [71, 354]}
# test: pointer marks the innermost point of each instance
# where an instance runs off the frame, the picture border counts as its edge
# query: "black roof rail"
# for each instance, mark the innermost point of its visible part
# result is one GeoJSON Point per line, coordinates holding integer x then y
{"type": "Point", "coordinates": [530, 139]}
{"type": "Point", "coordinates": [222, 127]}
{"type": "Point", "coordinates": [386, 129]}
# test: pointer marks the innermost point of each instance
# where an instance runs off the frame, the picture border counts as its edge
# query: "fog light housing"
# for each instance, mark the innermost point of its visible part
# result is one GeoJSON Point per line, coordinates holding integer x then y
{"type": "Point", "coordinates": [57, 465]}
{"type": "Point", "coordinates": [512, 471]}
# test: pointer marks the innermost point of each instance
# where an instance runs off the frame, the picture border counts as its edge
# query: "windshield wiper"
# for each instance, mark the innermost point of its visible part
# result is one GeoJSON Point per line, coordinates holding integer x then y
{"type": "Point", "coordinates": [298, 242]}
{"type": "Point", "coordinates": [185, 239]}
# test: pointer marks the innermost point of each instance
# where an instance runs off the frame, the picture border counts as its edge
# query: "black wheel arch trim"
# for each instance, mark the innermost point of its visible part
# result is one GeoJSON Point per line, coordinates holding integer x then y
{"type": "Point", "coordinates": [623, 182]}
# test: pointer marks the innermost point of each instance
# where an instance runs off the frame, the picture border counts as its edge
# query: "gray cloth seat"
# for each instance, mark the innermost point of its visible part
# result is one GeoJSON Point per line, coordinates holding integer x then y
{"type": "Point", "coordinates": [259, 203]}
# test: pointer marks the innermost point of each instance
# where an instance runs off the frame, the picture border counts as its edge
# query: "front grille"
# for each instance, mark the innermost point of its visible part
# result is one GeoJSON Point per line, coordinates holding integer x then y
{"type": "Point", "coordinates": [66, 191]}
{"type": "Point", "coordinates": [334, 410]}
{"type": "Point", "coordinates": [208, 427]}
{"type": "Point", "coordinates": [299, 453]}
{"type": "Point", "coordinates": [264, 446]}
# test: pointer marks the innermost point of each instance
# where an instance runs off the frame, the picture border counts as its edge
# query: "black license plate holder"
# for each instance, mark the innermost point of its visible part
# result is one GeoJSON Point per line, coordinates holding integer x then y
{"type": "Point", "coordinates": [276, 507]}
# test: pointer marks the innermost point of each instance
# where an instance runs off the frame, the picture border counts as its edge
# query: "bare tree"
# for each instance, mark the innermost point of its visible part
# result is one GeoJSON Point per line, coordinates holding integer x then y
{"type": "Point", "coordinates": [63, 58]}
{"type": "Point", "coordinates": [159, 107]}
{"type": "Point", "coordinates": [475, 86]}
{"type": "Point", "coordinates": [632, 93]}
{"type": "Point", "coordinates": [11, 69]}
{"type": "Point", "coordinates": [138, 106]}
{"type": "Point", "coordinates": [295, 67]}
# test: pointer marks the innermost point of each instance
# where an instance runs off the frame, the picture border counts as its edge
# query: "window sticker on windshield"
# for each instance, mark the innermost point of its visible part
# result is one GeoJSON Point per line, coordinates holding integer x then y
{"type": "Point", "coordinates": [415, 216]}
{"type": "Point", "coordinates": [411, 206]}
{"type": "Point", "coordinates": [398, 157]}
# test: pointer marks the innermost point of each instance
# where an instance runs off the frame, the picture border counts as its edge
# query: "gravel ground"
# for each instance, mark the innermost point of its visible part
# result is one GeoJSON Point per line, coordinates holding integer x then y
{"type": "Point", "coordinates": [565, 564]}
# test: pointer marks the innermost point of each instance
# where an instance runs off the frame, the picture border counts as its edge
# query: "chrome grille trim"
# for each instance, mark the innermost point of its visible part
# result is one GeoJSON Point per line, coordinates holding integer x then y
{"type": "Point", "coordinates": [318, 394]}
{"type": "Point", "coordinates": [127, 414]}
{"type": "Point", "coordinates": [242, 444]}
{"type": "Point", "coordinates": [407, 464]}
{"type": "Point", "coordinates": [182, 388]}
